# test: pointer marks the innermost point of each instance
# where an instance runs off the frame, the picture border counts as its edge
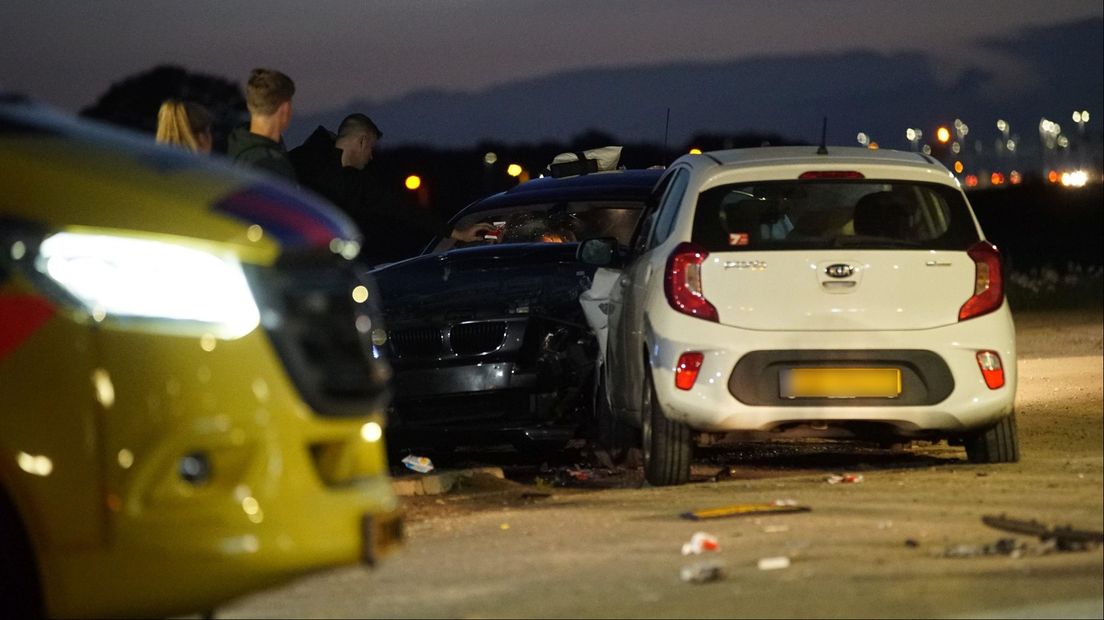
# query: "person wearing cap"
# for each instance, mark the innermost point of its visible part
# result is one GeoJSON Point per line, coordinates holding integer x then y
{"type": "Point", "coordinates": [335, 166]}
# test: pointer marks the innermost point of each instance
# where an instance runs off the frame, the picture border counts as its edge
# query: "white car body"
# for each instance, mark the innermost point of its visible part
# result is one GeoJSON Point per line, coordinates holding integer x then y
{"type": "Point", "coordinates": [778, 308]}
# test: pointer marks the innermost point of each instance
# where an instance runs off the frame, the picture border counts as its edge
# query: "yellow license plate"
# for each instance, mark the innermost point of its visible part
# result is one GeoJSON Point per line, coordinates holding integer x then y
{"type": "Point", "coordinates": [840, 383]}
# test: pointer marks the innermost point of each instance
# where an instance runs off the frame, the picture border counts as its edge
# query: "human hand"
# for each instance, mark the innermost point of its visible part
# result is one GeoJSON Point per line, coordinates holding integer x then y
{"type": "Point", "coordinates": [475, 232]}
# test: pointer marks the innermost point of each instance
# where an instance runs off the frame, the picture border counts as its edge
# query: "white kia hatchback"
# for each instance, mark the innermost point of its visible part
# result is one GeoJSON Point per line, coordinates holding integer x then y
{"type": "Point", "coordinates": [840, 292]}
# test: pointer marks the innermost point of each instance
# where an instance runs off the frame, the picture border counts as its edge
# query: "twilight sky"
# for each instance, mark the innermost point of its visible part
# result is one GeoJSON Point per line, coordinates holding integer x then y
{"type": "Point", "coordinates": [67, 53]}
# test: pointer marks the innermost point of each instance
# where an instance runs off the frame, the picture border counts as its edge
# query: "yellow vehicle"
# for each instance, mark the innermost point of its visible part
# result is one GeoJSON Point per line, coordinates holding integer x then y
{"type": "Point", "coordinates": [191, 403]}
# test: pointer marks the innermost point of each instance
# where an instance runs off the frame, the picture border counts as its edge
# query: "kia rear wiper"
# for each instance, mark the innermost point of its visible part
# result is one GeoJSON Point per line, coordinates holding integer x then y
{"type": "Point", "coordinates": [851, 241]}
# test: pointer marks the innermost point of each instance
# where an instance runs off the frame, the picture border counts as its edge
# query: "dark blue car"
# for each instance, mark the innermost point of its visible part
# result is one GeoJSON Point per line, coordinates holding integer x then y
{"type": "Point", "coordinates": [487, 339]}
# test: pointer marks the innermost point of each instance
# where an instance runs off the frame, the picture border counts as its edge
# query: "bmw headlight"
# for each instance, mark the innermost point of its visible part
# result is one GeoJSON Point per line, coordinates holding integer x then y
{"type": "Point", "coordinates": [144, 279]}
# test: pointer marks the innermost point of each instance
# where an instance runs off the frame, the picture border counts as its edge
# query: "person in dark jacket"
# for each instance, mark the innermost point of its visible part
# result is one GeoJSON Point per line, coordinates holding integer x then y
{"type": "Point", "coordinates": [261, 145]}
{"type": "Point", "coordinates": [335, 167]}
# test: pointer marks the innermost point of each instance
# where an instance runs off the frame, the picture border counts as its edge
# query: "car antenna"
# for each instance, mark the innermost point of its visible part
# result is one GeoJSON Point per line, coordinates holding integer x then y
{"type": "Point", "coordinates": [823, 148]}
{"type": "Point", "coordinates": [666, 129]}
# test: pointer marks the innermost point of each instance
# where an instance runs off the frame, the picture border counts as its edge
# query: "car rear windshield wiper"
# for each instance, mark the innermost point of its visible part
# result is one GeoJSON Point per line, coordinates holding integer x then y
{"type": "Point", "coordinates": [851, 241]}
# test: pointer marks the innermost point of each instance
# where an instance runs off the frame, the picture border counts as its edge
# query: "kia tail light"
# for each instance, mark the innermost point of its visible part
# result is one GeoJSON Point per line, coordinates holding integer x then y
{"type": "Point", "coordinates": [988, 282]}
{"type": "Point", "coordinates": [683, 282]}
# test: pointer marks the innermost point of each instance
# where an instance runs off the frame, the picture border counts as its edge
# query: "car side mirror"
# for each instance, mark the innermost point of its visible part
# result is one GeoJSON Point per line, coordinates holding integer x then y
{"type": "Point", "coordinates": [599, 252]}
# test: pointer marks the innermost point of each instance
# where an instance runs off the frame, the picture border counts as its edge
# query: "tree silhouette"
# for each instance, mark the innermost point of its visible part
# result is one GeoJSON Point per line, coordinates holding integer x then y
{"type": "Point", "coordinates": [134, 101]}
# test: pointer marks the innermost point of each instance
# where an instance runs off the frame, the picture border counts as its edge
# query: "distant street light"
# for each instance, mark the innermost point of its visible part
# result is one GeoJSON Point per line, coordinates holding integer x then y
{"type": "Point", "coordinates": [413, 182]}
{"type": "Point", "coordinates": [514, 170]}
{"type": "Point", "coordinates": [913, 136]}
{"type": "Point", "coordinates": [943, 135]}
{"type": "Point", "coordinates": [863, 139]}
{"type": "Point", "coordinates": [1081, 117]}
{"type": "Point", "coordinates": [961, 128]}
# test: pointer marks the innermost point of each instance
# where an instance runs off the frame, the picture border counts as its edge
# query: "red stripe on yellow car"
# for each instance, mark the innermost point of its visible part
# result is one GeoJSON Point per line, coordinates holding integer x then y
{"type": "Point", "coordinates": [21, 316]}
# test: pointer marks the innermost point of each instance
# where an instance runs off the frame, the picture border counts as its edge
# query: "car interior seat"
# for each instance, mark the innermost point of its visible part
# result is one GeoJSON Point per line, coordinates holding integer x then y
{"type": "Point", "coordinates": [882, 214]}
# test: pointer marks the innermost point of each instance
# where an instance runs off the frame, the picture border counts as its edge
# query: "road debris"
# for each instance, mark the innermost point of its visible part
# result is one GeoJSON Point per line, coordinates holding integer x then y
{"type": "Point", "coordinates": [912, 543]}
{"type": "Point", "coordinates": [743, 510]}
{"type": "Point", "coordinates": [420, 464]}
{"type": "Point", "coordinates": [774, 563]}
{"type": "Point", "coordinates": [699, 543]}
{"type": "Point", "coordinates": [1065, 538]}
{"type": "Point", "coordinates": [775, 529]}
{"type": "Point", "coordinates": [566, 476]}
{"type": "Point", "coordinates": [1004, 546]}
{"type": "Point", "coordinates": [702, 572]}
{"type": "Point", "coordinates": [844, 479]}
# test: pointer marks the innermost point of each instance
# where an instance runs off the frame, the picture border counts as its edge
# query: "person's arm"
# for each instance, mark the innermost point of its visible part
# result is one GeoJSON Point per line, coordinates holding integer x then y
{"type": "Point", "coordinates": [475, 232]}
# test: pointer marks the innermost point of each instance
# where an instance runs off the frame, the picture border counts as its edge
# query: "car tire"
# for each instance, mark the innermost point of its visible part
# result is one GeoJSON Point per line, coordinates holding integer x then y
{"type": "Point", "coordinates": [20, 594]}
{"type": "Point", "coordinates": [615, 443]}
{"type": "Point", "coordinates": [997, 444]}
{"type": "Point", "coordinates": [667, 444]}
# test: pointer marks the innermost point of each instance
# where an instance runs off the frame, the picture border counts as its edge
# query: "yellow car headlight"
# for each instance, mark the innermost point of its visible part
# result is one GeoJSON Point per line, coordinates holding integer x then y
{"type": "Point", "coordinates": [126, 277]}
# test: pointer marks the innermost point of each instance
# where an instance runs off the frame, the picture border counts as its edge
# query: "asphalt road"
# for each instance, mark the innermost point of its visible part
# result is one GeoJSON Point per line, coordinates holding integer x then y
{"type": "Point", "coordinates": [610, 547]}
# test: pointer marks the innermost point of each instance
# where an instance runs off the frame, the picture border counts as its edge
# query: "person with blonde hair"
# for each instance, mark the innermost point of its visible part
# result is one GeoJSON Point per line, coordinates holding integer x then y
{"type": "Point", "coordinates": [185, 124]}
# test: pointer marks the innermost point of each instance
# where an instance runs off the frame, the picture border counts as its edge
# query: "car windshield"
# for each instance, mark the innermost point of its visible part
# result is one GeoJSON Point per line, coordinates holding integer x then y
{"type": "Point", "coordinates": [825, 214]}
{"type": "Point", "coordinates": [559, 222]}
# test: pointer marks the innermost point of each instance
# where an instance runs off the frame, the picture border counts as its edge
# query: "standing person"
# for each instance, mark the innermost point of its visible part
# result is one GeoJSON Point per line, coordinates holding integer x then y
{"type": "Point", "coordinates": [268, 96]}
{"type": "Point", "coordinates": [186, 124]}
{"type": "Point", "coordinates": [336, 167]}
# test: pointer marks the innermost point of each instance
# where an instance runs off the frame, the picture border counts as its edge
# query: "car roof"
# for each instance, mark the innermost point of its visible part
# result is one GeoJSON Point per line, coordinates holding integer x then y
{"type": "Point", "coordinates": [612, 185]}
{"type": "Point", "coordinates": [787, 155]}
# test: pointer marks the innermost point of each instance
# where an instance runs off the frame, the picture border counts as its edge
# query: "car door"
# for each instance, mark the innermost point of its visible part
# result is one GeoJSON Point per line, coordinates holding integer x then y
{"type": "Point", "coordinates": [625, 370]}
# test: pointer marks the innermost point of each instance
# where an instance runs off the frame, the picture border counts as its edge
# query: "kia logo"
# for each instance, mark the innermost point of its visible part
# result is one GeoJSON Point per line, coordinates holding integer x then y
{"type": "Point", "coordinates": [839, 270]}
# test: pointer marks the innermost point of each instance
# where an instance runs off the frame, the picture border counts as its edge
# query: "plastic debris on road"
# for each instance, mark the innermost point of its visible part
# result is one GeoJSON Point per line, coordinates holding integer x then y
{"type": "Point", "coordinates": [700, 542]}
{"type": "Point", "coordinates": [844, 479]}
{"type": "Point", "coordinates": [775, 563]}
{"type": "Point", "coordinates": [702, 572]}
{"type": "Point", "coordinates": [742, 510]}
{"type": "Point", "coordinates": [420, 464]}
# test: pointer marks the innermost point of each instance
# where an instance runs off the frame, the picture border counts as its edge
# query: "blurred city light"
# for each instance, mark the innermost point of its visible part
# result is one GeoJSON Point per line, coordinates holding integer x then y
{"type": "Point", "coordinates": [1077, 178]}
{"type": "Point", "coordinates": [956, 147]}
{"type": "Point", "coordinates": [971, 180]}
{"type": "Point", "coordinates": [413, 182]}
{"type": "Point", "coordinates": [996, 178]}
{"type": "Point", "coordinates": [873, 146]}
{"type": "Point", "coordinates": [943, 134]}
{"type": "Point", "coordinates": [958, 167]}
{"type": "Point", "coordinates": [863, 139]}
{"type": "Point", "coordinates": [911, 134]}
{"type": "Point", "coordinates": [1015, 178]}
{"type": "Point", "coordinates": [514, 170]}
{"type": "Point", "coordinates": [1052, 176]}
{"type": "Point", "coordinates": [490, 158]}
{"type": "Point", "coordinates": [961, 128]}
{"type": "Point", "coordinates": [1063, 142]}
{"type": "Point", "coordinates": [695, 151]}
{"type": "Point", "coordinates": [1002, 126]}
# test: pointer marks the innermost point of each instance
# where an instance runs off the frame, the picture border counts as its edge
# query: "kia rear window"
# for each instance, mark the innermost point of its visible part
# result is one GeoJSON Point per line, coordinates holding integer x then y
{"type": "Point", "coordinates": [790, 215]}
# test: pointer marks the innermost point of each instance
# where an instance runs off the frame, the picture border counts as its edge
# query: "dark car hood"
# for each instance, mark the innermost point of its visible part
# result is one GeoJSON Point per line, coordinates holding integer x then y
{"type": "Point", "coordinates": [483, 282]}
